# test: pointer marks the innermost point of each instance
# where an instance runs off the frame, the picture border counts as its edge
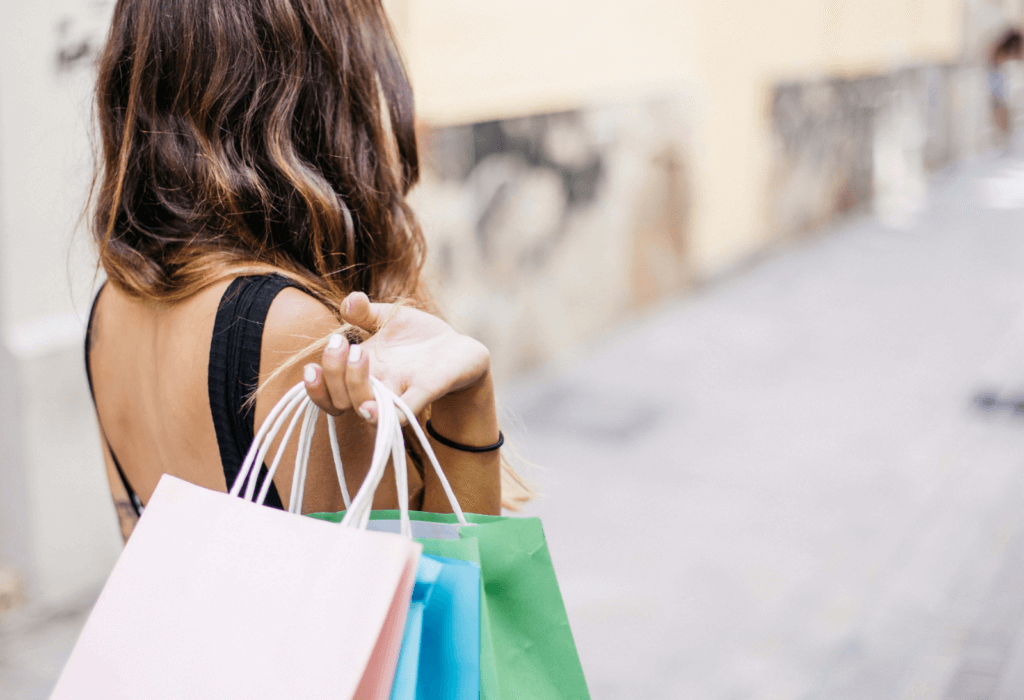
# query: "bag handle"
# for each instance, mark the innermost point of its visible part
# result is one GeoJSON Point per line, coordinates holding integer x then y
{"type": "Point", "coordinates": [389, 442]}
{"type": "Point", "coordinates": [267, 432]}
{"type": "Point", "coordinates": [390, 404]}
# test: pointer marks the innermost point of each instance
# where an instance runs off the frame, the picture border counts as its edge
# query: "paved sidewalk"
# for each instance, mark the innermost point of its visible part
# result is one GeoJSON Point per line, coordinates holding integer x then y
{"type": "Point", "coordinates": [34, 644]}
{"type": "Point", "coordinates": [781, 487]}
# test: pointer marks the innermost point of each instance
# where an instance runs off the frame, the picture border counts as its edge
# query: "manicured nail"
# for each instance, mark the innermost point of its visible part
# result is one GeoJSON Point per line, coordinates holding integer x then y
{"type": "Point", "coordinates": [354, 354]}
{"type": "Point", "coordinates": [334, 342]}
{"type": "Point", "coordinates": [309, 374]}
{"type": "Point", "coordinates": [364, 413]}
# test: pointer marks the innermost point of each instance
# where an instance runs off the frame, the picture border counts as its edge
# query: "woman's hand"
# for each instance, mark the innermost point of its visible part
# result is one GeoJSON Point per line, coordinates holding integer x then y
{"type": "Point", "coordinates": [425, 362]}
{"type": "Point", "coordinates": [415, 354]}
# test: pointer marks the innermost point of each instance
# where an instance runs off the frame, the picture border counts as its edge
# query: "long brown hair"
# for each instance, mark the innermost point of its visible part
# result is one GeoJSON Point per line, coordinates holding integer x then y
{"type": "Point", "coordinates": [256, 134]}
{"type": "Point", "coordinates": [248, 136]}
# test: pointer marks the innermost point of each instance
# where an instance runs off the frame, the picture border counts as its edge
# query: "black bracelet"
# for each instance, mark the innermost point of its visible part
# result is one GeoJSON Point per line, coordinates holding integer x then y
{"type": "Point", "coordinates": [464, 448]}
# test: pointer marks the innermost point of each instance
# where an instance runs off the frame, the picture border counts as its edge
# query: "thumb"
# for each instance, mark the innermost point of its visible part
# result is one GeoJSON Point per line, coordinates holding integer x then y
{"type": "Point", "coordinates": [359, 311]}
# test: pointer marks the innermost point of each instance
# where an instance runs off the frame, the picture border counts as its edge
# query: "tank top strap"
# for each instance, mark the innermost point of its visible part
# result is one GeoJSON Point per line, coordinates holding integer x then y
{"type": "Point", "coordinates": [232, 376]}
{"type": "Point", "coordinates": [234, 369]}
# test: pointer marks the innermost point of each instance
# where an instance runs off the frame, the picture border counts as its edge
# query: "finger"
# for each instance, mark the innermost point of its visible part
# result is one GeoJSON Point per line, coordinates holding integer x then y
{"type": "Point", "coordinates": [416, 399]}
{"type": "Point", "coordinates": [333, 362]}
{"type": "Point", "coordinates": [370, 408]}
{"type": "Point", "coordinates": [313, 377]}
{"type": "Point", "coordinates": [359, 311]}
{"type": "Point", "coordinates": [357, 380]}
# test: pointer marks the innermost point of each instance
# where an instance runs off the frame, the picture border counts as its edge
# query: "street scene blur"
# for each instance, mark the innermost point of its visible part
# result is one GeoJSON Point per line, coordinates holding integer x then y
{"type": "Point", "coordinates": [752, 279]}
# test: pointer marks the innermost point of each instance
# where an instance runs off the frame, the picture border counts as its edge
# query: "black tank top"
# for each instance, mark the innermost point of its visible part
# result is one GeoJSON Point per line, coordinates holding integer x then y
{"type": "Point", "coordinates": [232, 376]}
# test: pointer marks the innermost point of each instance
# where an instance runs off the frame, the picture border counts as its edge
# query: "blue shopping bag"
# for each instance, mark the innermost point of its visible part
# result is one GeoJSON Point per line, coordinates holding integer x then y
{"type": "Point", "coordinates": [440, 657]}
{"type": "Point", "coordinates": [407, 671]}
{"type": "Point", "coordinates": [450, 651]}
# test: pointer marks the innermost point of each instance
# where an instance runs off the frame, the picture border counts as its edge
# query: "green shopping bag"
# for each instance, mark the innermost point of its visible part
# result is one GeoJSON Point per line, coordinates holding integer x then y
{"type": "Point", "coordinates": [532, 653]}
{"type": "Point", "coordinates": [469, 550]}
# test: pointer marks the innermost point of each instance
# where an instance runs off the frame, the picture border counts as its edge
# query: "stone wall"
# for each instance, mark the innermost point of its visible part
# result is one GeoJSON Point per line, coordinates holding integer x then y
{"type": "Point", "coordinates": [843, 145]}
{"type": "Point", "coordinates": [545, 231]}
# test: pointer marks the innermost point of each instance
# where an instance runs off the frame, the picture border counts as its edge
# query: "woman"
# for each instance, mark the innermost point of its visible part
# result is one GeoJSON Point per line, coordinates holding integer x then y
{"type": "Point", "coordinates": [256, 156]}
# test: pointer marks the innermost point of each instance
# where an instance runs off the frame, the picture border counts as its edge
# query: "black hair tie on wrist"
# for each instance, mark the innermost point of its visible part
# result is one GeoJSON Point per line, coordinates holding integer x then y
{"type": "Point", "coordinates": [464, 448]}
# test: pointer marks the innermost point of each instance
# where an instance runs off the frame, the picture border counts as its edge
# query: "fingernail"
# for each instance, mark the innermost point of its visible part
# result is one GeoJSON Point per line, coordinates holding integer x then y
{"type": "Point", "coordinates": [364, 413]}
{"type": "Point", "coordinates": [334, 342]}
{"type": "Point", "coordinates": [354, 354]}
{"type": "Point", "coordinates": [309, 374]}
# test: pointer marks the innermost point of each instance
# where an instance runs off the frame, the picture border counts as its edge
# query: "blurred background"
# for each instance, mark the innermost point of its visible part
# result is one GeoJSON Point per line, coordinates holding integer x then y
{"type": "Point", "coordinates": [750, 272]}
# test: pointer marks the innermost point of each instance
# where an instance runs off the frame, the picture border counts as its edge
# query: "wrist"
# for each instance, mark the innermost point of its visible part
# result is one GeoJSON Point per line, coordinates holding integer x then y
{"type": "Point", "coordinates": [468, 416]}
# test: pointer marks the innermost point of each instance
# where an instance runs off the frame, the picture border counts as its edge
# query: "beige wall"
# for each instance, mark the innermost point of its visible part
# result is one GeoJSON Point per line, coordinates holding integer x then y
{"type": "Point", "coordinates": [743, 53]}
{"type": "Point", "coordinates": [471, 60]}
{"type": "Point", "coordinates": [480, 59]}
{"type": "Point", "coordinates": [45, 169]}
{"type": "Point", "coordinates": [59, 527]}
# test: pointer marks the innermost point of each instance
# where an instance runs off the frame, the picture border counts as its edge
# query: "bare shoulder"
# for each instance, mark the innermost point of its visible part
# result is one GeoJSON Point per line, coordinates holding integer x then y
{"type": "Point", "coordinates": [294, 333]}
{"type": "Point", "coordinates": [294, 322]}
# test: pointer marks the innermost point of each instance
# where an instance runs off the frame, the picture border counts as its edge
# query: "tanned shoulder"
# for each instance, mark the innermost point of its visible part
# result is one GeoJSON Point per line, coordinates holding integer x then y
{"type": "Point", "coordinates": [294, 322]}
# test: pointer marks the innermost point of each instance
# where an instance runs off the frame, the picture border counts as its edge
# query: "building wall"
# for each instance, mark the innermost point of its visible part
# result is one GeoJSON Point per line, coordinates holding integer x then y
{"type": "Point", "coordinates": [846, 145]}
{"type": "Point", "coordinates": [739, 77]}
{"type": "Point", "coordinates": [547, 230]}
{"type": "Point", "coordinates": [582, 160]}
{"type": "Point", "coordinates": [58, 528]}
{"type": "Point", "coordinates": [472, 61]}
{"type": "Point", "coordinates": [746, 48]}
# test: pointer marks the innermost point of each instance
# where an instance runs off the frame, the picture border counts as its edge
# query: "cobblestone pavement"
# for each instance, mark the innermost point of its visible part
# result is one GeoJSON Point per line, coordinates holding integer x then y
{"type": "Point", "coordinates": [782, 486]}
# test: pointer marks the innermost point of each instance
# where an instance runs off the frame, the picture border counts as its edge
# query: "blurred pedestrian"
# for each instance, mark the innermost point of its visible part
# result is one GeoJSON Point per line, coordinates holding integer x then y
{"type": "Point", "coordinates": [1006, 48]}
{"type": "Point", "coordinates": [250, 214]}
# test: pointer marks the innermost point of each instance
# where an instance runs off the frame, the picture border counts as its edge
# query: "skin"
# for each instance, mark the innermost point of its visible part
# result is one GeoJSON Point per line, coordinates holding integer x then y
{"type": "Point", "coordinates": [423, 360]}
{"type": "Point", "coordinates": [149, 366]}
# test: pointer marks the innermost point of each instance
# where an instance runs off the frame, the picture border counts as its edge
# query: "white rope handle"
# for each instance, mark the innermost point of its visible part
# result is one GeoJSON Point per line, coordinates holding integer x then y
{"type": "Point", "coordinates": [418, 431]}
{"type": "Point", "coordinates": [358, 515]}
{"type": "Point", "coordinates": [302, 459]}
{"type": "Point", "coordinates": [388, 442]}
{"type": "Point", "coordinates": [391, 407]}
{"type": "Point", "coordinates": [277, 456]}
{"type": "Point", "coordinates": [332, 430]}
{"type": "Point", "coordinates": [259, 448]}
{"type": "Point", "coordinates": [398, 457]}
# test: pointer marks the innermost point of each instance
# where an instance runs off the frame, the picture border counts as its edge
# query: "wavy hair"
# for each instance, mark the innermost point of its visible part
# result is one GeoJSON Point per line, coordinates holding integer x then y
{"type": "Point", "coordinates": [255, 136]}
{"type": "Point", "coordinates": [248, 135]}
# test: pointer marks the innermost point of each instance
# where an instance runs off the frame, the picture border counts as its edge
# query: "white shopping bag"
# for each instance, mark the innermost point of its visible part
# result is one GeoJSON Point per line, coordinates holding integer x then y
{"type": "Point", "coordinates": [217, 597]}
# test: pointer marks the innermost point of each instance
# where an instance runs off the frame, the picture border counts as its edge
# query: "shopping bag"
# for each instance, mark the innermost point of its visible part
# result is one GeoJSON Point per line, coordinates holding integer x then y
{"type": "Point", "coordinates": [449, 667]}
{"type": "Point", "coordinates": [443, 627]}
{"type": "Point", "coordinates": [407, 672]}
{"type": "Point", "coordinates": [525, 629]}
{"type": "Point", "coordinates": [527, 648]}
{"type": "Point", "coordinates": [462, 549]}
{"type": "Point", "coordinates": [440, 656]}
{"type": "Point", "coordinates": [215, 596]}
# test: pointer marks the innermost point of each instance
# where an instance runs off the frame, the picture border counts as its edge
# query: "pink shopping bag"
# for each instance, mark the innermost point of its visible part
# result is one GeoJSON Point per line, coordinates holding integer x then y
{"type": "Point", "coordinates": [217, 597]}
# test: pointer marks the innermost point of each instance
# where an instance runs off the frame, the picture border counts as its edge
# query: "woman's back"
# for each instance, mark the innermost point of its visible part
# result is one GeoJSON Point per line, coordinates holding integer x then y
{"type": "Point", "coordinates": [148, 367]}
{"type": "Point", "coordinates": [171, 384]}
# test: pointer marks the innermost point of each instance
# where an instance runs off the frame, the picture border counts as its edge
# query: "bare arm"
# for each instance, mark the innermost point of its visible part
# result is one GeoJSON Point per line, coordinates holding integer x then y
{"type": "Point", "coordinates": [467, 417]}
{"type": "Point", "coordinates": [423, 360]}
